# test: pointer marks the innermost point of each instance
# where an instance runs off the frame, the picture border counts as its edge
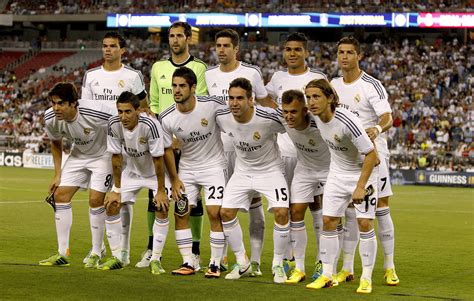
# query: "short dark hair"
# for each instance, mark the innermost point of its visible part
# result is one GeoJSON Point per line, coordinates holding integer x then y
{"type": "Point", "coordinates": [243, 83]}
{"type": "Point", "coordinates": [129, 97]}
{"type": "Point", "coordinates": [298, 37]}
{"type": "Point", "coordinates": [116, 35]}
{"type": "Point", "coordinates": [290, 95]}
{"type": "Point", "coordinates": [187, 74]}
{"type": "Point", "coordinates": [327, 89]}
{"type": "Point", "coordinates": [229, 33]}
{"type": "Point", "coordinates": [187, 28]}
{"type": "Point", "coordinates": [65, 91]}
{"type": "Point", "coordinates": [350, 40]}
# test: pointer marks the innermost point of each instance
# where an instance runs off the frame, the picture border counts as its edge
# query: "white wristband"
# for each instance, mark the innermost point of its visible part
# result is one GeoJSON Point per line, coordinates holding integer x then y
{"type": "Point", "coordinates": [116, 189]}
{"type": "Point", "coordinates": [379, 128]}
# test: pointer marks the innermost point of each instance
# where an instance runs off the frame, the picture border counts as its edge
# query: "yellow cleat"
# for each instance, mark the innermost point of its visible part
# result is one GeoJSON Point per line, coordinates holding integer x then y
{"type": "Point", "coordinates": [365, 287]}
{"type": "Point", "coordinates": [391, 277]}
{"type": "Point", "coordinates": [334, 280]}
{"type": "Point", "coordinates": [319, 283]}
{"type": "Point", "coordinates": [296, 277]}
{"type": "Point", "coordinates": [344, 276]}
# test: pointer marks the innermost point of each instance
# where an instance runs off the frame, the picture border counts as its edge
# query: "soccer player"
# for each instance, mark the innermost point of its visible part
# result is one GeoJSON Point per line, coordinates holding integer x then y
{"type": "Point", "coordinates": [218, 79]}
{"type": "Point", "coordinates": [352, 178]}
{"type": "Point", "coordinates": [295, 77]}
{"type": "Point", "coordinates": [202, 165]}
{"type": "Point", "coordinates": [142, 139]}
{"type": "Point", "coordinates": [88, 165]}
{"type": "Point", "coordinates": [311, 171]}
{"type": "Point", "coordinates": [161, 98]}
{"type": "Point", "coordinates": [104, 84]}
{"type": "Point", "coordinates": [366, 97]}
{"type": "Point", "coordinates": [252, 129]}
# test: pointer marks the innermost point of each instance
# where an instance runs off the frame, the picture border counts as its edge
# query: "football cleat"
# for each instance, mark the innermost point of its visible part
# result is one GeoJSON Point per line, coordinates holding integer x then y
{"type": "Point", "coordinates": [213, 272]}
{"type": "Point", "coordinates": [288, 266]}
{"type": "Point", "coordinates": [344, 276]}
{"type": "Point", "coordinates": [391, 277]}
{"type": "Point", "coordinates": [318, 270]}
{"type": "Point", "coordinates": [113, 263]}
{"type": "Point", "coordinates": [319, 283]}
{"type": "Point", "coordinates": [145, 261]}
{"type": "Point", "coordinates": [156, 268]}
{"type": "Point", "coordinates": [238, 272]}
{"type": "Point", "coordinates": [334, 280]}
{"type": "Point", "coordinates": [224, 264]}
{"type": "Point", "coordinates": [125, 258]}
{"type": "Point", "coordinates": [93, 262]}
{"type": "Point", "coordinates": [255, 269]}
{"type": "Point", "coordinates": [365, 286]}
{"type": "Point", "coordinates": [55, 260]}
{"type": "Point", "coordinates": [185, 269]}
{"type": "Point", "coordinates": [197, 262]}
{"type": "Point", "coordinates": [296, 277]}
{"type": "Point", "coordinates": [279, 275]}
{"type": "Point", "coordinates": [103, 253]}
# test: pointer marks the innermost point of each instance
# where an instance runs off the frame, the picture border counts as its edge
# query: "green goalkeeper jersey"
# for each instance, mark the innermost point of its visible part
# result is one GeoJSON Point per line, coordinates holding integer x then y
{"type": "Point", "coordinates": [161, 91]}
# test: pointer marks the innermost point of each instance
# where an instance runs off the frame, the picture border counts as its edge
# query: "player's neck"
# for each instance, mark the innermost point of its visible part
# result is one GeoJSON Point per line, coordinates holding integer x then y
{"type": "Point", "coordinates": [297, 70]}
{"type": "Point", "coordinates": [112, 66]}
{"type": "Point", "coordinates": [351, 75]}
{"type": "Point", "coordinates": [246, 117]}
{"type": "Point", "coordinates": [71, 118]}
{"type": "Point", "coordinates": [187, 106]}
{"type": "Point", "coordinates": [304, 125]}
{"type": "Point", "coordinates": [230, 67]}
{"type": "Point", "coordinates": [326, 116]}
{"type": "Point", "coordinates": [179, 59]}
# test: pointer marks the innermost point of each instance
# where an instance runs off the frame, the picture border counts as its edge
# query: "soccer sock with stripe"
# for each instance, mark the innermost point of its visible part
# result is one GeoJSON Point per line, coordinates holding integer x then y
{"type": "Point", "coordinates": [233, 235]}
{"type": "Point", "coordinates": [386, 233]}
{"type": "Point", "coordinates": [97, 221]}
{"type": "Point", "coordinates": [318, 226]}
{"type": "Point", "coordinates": [329, 247]}
{"type": "Point", "coordinates": [340, 238]}
{"type": "Point", "coordinates": [196, 223]}
{"type": "Point", "coordinates": [113, 226]}
{"type": "Point", "coordinates": [299, 240]}
{"type": "Point", "coordinates": [184, 240]}
{"type": "Point", "coordinates": [217, 245]}
{"type": "Point", "coordinates": [281, 237]}
{"type": "Point", "coordinates": [256, 230]}
{"type": "Point", "coordinates": [160, 231]}
{"type": "Point", "coordinates": [126, 214]}
{"type": "Point", "coordinates": [63, 218]}
{"type": "Point", "coordinates": [351, 239]}
{"type": "Point", "coordinates": [367, 251]}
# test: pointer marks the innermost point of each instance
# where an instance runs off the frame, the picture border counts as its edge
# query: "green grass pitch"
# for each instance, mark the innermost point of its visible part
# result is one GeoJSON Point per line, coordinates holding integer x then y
{"type": "Point", "coordinates": [434, 252]}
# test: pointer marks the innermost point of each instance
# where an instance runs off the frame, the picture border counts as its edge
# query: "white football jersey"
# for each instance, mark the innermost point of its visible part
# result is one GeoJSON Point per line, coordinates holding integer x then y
{"type": "Point", "coordinates": [311, 150]}
{"type": "Point", "coordinates": [141, 144]}
{"type": "Point", "coordinates": [106, 86]}
{"type": "Point", "coordinates": [282, 81]}
{"type": "Point", "coordinates": [254, 142]}
{"type": "Point", "coordinates": [197, 133]}
{"type": "Point", "coordinates": [88, 132]}
{"type": "Point", "coordinates": [347, 141]}
{"type": "Point", "coordinates": [366, 98]}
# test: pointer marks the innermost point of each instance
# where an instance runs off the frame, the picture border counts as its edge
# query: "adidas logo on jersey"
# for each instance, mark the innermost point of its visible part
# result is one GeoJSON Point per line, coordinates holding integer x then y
{"type": "Point", "coordinates": [180, 130]}
{"type": "Point", "coordinates": [230, 135]}
{"type": "Point", "coordinates": [280, 88]}
{"type": "Point", "coordinates": [96, 84]}
{"type": "Point", "coordinates": [163, 77]}
{"type": "Point", "coordinates": [214, 85]}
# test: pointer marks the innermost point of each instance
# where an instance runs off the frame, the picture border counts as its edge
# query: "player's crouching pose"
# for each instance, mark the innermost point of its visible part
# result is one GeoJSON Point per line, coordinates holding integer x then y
{"type": "Point", "coordinates": [142, 139]}
{"type": "Point", "coordinates": [258, 168]}
{"type": "Point", "coordinates": [85, 125]}
{"type": "Point", "coordinates": [352, 178]}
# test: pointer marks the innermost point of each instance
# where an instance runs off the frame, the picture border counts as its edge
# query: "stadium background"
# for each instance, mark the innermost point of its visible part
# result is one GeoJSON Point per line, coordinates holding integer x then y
{"type": "Point", "coordinates": [428, 73]}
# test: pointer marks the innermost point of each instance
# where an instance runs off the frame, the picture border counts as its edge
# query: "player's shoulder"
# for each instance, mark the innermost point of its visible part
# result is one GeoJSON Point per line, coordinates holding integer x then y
{"type": "Point", "coordinates": [49, 115]}
{"type": "Point", "coordinates": [90, 73]}
{"type": "Point", "coordinates": [267, 113]}
{"type": "Point", "coordinates": [317, 73]}
{"type": "Point", "coordinates": [95, 109]}
{"type": "Point", "coordinates": [212, 69]}
{"type": "Point", "coordinates": [337, 80]}
{"type": "Point", "coordinates": [211, 99]}
{"type": "Point", "coordinates": [349, 120]}
{"type": "Point", "coordinates": [163, 63]}
{"type": "Point", "coordinates": [149, 124]}
{"type": "Point", "coordinates": [225, 111]}
{"type": "Point", "coordinates": [373, 83]}
{"type": "Point", "coordinates": [131, 69]}
{"type": "Point", "coordinates": [198, 62]}
{"type": "Point", "coordinates": [167, 113]}
{"type": "Point", "coordinates": [251, 67]}
{"type": "Point", "coordinates": [114, 121]}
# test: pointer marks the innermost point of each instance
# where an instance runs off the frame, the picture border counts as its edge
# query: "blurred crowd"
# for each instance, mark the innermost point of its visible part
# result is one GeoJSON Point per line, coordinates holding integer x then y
{"type": "Point", "coordinates": [430, 89]}
{"type": "Point", "coordinates": [30, 7]}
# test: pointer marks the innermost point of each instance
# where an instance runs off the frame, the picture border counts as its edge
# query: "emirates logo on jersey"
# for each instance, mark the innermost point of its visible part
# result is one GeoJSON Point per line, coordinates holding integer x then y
{"type": "Point", "coordinates": [357, 98]}
{"type": "Point", "coordinates": [256, 136]}
{"type": "Point", "coordinates": [142, 140]}
{"type": "Point", "coordinates": [204, 122]}
{"type": "Point", "coordinates": [87, 131]}
{"type": "Point", "coordinates": [337, 139]}
{"type": "Point", "coordinates": [312, 142]}
{"type": "Point", "coordinates": [121, 83]}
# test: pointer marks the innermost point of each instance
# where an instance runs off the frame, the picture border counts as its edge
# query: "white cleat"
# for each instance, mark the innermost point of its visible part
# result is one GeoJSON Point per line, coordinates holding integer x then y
{"type": "Point", "coordinates": [145, 261]}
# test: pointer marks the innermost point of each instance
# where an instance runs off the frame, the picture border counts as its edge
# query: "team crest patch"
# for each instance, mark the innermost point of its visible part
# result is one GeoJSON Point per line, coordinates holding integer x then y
{"type": "Point", "coordinates": [121, 83]}
{"type": "Point", "coordinates": [256, 136]}
{"type": "Point", "coordinates": [312, 142]}
{"type": "Point", "coordinates": [181, 206]}
{"type": "Point", "coordinates": [87, 131]}
{"type": "Point", "coordinates": [357, 98]}
{"type": "Point", "coordinates": [142, 140]}
{"type": "Point", "coordinates": [336, 137]}
{"type": "Point", "coordinates": [204, 122]}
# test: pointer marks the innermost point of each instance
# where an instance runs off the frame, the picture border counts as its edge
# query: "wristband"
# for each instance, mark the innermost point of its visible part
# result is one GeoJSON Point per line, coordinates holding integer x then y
{"type": "Point", "coordinates": [379, 128]}
{"type": "Point", "coordinates": [116, 189]}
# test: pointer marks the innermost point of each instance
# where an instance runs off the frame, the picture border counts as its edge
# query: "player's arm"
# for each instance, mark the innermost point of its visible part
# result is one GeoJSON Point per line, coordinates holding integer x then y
{"type": "Point", "coordinates": [57, 152]}
{"type": "Point", "coordinates": [385, 123]}
{"type": "Point", "coordinates": [161, 199]}
{"type": "Point", "coordinates": [267, 102]}
{"type": "Point", "coordinates": [370, 161]}
{"type": "Point", "coordinates": [176, 185]}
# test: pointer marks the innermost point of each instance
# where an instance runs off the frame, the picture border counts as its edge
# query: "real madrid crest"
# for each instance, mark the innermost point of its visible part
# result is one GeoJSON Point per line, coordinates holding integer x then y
{"type": "Point", "coordinates": [204, 122]}
{"type": "Point", "coordinates": [87, 131]}
{"type": "Point", "coordinates": [357, 98]}
{"type": "Point", "coordinates": [142, 140]}
{"type": "Point", "coordinates": [312, 142]}
{"type": "Point", "coordinates": [336, 137]}
{"type": "Point", "coordinates": [121, 83]}
{"type": "Point", "coordinates": [256, 136]}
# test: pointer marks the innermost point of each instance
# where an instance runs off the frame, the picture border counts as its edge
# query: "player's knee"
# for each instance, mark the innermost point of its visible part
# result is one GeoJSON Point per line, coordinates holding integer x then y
{"type": "Point", "coordinates": [60, 196]}
{"type": "Point", "coordinates": [112, 208]}
{"type": "Point", "coordinates": [95, 202]}
{"type": "Point", "coordinates": [382, 202]}
{"type": "Point", "coordinates": [227, 214]}
{"type": "Point", "coordinates": [297, 213]}
{"type": "Point", "coordinates": [330, 223]}
{"type": "Point", "coordinates": [161, 214]}
{"type": "Point", "coordinates": [213, 213]}
{"type": "Point", "coordinates": [281, 215]}
{"type": "Point", "coordinates": [365, 224]}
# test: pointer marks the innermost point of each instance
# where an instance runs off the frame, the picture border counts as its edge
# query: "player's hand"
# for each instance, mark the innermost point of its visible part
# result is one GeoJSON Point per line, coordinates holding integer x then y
{"type": "Point", "coordinates": [146, 111]}
{"type": "Point", "coordinates": [358, 195]}
{"type": "Point", "coordinates": [372, 132]}
{"type": "Point", "coordinates": [161, 201]}
{"type": "Point", "coordinates": [175, 145]}
{"type": "Point", "coordinates": [177, 188]}
{"type": "Point", "coordinates": [112, 199]}
{"type": "Point", "coordinates": [54, 184]}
